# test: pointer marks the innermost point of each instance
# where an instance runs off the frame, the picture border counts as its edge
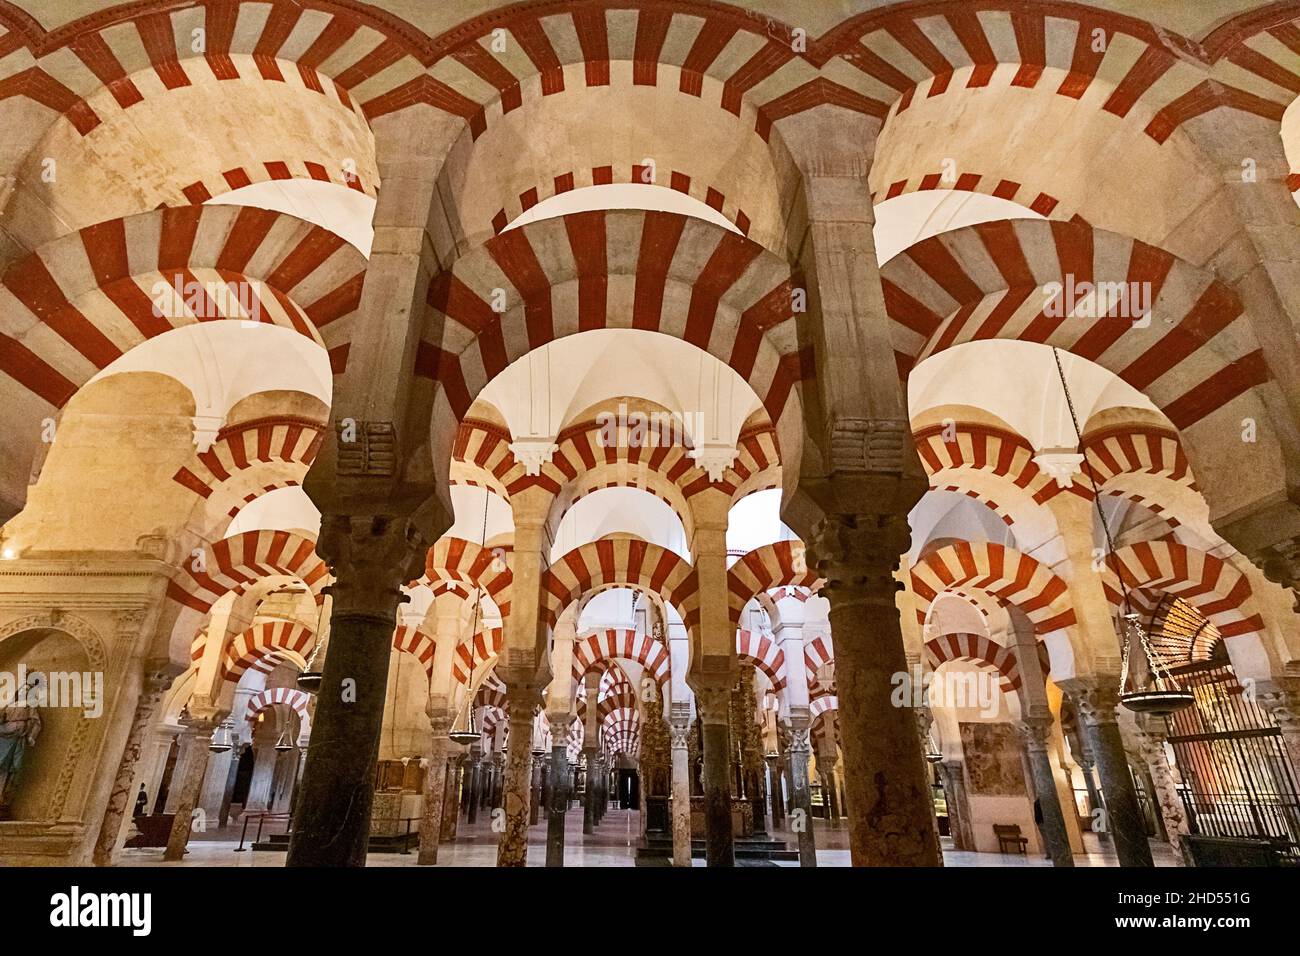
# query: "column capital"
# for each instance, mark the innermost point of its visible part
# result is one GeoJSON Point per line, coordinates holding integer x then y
{"type": "Point", "coordinates": [1096, 698]}
{"type": "Point", "coordinates": [858, 554]}
{"type": "Point", "coordinates": [560, 728]}
{"type": "Point", "coordinates": [1036, 731]}
{"type": "Point", "coordinates": [371, 557]}
{"type": "Point", "coordinates": [713, 700]}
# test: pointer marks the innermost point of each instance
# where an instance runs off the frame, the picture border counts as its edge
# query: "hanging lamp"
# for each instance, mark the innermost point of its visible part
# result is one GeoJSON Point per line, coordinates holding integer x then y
{"type": "Point", "coordinates": [309, 680]}
{"type": "Point", "coordinates": [282, 744]}
{"type": "Point", "coordinates": [1152, 689]}
{"type": "Point", "coordinates": [222, 741]}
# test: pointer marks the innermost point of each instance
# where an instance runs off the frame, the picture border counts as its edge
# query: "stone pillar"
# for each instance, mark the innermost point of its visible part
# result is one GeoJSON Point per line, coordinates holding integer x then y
{"type": "Point", "coordinates": [556, 811]}
{"type": "Point", "coordinates": [887, 793]}
{"type": "Point", "coordinates": [777, 791]}
{"type": "Point", "coordinates": [1151, 740]}
{"type": "Point", "coordinates": [191, 782]}
{"type": "Point", "coordinates": [680, 727]}
{"type": "Point", "coordinates": [435, 787]}
{"type": "Point", "coordinates": [498, 780]}
{"type": "Point", "coordinates": [826, 770]}
{"type": "Point", "coordinates": [259, 786]}
{"type": "Point", "coordinates": [370, 557]}
{"type": "Point", "coordinates": [451, 798]}
{"type": "Point", "coordinates": [158, 676]}
{"type": "Point", "coordinates": [800, 749]}
{"type": "Point", "coordinates": [1036, 731]}
{"type": "Point", "coordinates": [287, 774]}
{"type": "Point", "coordinates": [954, 788]}
{"type": "Point", "coordinates": [1124, 821]}
{"type": "Point", "coordinates": [475, 772]}
{"type": "Point", "coordinates": [713, 702]}
{"type": "Point", "coordinates": [513, 847]}
{"type": "Point", "coordinates": [589, 799]}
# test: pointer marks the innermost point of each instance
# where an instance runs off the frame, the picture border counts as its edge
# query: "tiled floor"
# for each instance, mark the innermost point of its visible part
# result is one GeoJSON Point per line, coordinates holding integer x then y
{"type": "Point", "coordinates": [612, 845]}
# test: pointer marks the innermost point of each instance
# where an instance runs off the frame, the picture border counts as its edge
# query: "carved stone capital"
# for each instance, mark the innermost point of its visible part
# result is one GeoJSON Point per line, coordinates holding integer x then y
{"type": "Point", "coordinates": [858, 554]}
{"type": "Point", "coordinates": [713, 701]}
{"type": "Point", "coordinates": [371, 557]}
{"type": "Point", "coordinates": [1036, 732]}
{"type": "Point", "coordinates": [1096, 699]}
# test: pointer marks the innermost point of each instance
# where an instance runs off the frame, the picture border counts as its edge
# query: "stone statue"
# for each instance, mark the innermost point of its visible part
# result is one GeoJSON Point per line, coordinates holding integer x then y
{"type": "Point", "coordinates": [20, 725]}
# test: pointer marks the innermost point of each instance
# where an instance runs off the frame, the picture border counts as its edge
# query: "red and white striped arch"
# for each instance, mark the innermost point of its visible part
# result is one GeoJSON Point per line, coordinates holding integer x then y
{"type": "Point", "coordinates": [77, 304]}
{"type": "Point", "coordinates": [1142, 463]}
{"type": "Point", "coordinates": [612, 269]}
{"type": "Point", "coordinates": [95, 67]}
{"type": "Point", "coordinates": [977, 648]}
{"type": "Point", "coordinates": [485, 646]}
{"type": "Point", "coordinates": [1039, 202]}
{"type": "Point", "coordinates": [883, 59]}
{"type": "Point", "coordinates": [418, 643]}
{"type": "Point", "coordinates": [621, 562]}
{"type": "Point", "coordinates": [278, 696]}
{"type": "Point", "coordinates": [773, 565]}
{"type": "Point", "coordinates": [1001, 572]}
{"type": "Point", "coordinates": [1147, 73]}
{"type": "Point", "coordinates": [245, 454]}
{"type": "Point", "coordinates": [592, 650]}
{"type": "Point", "coordinates": [235, 563]}
{"type": "Point", "coordinates": [583, 463]}
{"type": "Point", "coordinates": [987, 281]}
{"type": "Point", "coordinates": [817, 653]}
{"type": "Point", "coordinates": [1208, 583]}
{"type": "Point", "coordinates": [624, 172]}
{"type": "Point", "coordinates": [951, 452]}
{"type": "Point", "coordinates": [262, 643]}
{"type": "Point", "coordinates": [465, 563]}
{"type": "Point", "coordinates": [762, 650]}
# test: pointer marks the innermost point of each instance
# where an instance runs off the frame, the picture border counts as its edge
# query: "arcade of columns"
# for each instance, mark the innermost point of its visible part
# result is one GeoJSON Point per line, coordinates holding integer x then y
{"type": "Point", "coordinates": [287, 402]}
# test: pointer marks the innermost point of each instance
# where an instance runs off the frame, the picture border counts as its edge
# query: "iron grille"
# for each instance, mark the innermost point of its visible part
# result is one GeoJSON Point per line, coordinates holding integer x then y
{"type": "Point", "coordinates": [1237, 779]}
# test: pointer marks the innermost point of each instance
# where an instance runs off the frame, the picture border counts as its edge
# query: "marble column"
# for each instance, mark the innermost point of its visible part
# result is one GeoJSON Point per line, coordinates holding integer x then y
{"type": "Point", "coordinates": [556, 810]}
{"type": "Point", "coordinates": [451, 798]}
{"type": "Point", "coordinates": [157, 677]}
{"type": "Point", "coordinates": [435, 787]}
{"type": "Point", "coordinates": [259, 786]}
{"type": "Point", "coordinates": [1123, 816]}
{"type": "Point", "coordinates": [802, 818]}
{"type": "Point", "coordinates": [190, 784]}
{"type": "Point", "coordinates": [286, 775]}
{"type": "Point", "coordinates": [1036, 732]}
{"type": "Point", "coordinates": [830, 787]}
{"type": "Point", "coordinates": [371, 557]}
{"type": "Point", "coordinates": [476, 783]}
{"type": "Point", "coordinates": [954, 788]}
{"type": "Point", "coordinates": [777, 791]}
{"type": "Point", "coordinates": [1169, 804]}
{"type": "Point", "coordinates": [589, 795]}
{"type": "Point", "coordinates": [680, 727]}
{"type": "Point", "coordinates": [888, 802]}
{"type": "Point", "coordinates": [713, 702]}
{"type": "Point", "coordinates": [498, 781]}
{"type": "Point", "coordinates": [512, 850]}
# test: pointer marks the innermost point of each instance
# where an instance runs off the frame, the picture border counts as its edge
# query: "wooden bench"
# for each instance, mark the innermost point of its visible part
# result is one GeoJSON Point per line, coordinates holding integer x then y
{"type": "Point", "coordinates": [1008, 835]}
